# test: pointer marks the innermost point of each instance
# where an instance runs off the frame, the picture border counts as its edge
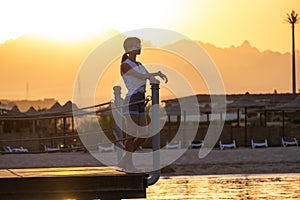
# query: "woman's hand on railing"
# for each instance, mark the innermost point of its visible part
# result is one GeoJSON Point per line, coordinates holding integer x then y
{"type": "Point", "coordinates": [162, 76]}
{"type": "Point", "coordinates": [153, 80]}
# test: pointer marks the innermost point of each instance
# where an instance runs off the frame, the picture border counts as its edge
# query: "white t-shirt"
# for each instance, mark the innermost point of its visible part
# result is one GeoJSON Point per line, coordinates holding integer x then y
{"type": "Point", "coordinates": [134, 84]}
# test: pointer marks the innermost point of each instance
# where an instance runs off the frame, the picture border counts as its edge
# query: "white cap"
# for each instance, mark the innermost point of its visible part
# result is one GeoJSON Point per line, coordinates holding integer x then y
{"type": "Point", "coordinates": [131, 44]}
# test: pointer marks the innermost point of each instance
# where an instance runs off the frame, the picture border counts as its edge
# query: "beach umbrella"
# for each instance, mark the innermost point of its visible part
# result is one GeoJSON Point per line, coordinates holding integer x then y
{"type": "Point", "coordinates": [56, 108]}
{"type": "Point", "coordinates": [246, 101]}
{"type": "Point", "coordinates": [32, 111]}
{"type": "Point", "coordinates": [206, 110]}
{"type": "Point", "coordinates": [218, 108]}
{"type": "Point", "coordinates": [14, 111]}
{"type": "Point", "coordinates": [173, 110]}
{"type": "Point", "coordinates": [293, 105]}
{"type": "Point", "coordinates": [67, 109]}
{"type": "Point", "coordinates": [177, 110]}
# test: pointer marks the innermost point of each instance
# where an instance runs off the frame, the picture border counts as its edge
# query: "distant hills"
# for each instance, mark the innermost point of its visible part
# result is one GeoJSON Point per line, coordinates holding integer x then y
{"type": "Point", "coordinates": [49, 67]}
{"type": "Point", "coordinates": [245, 68]}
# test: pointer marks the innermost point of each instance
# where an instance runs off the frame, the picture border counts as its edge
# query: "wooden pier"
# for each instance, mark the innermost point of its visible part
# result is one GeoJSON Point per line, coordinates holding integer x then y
{"type": "Point", "coordinates": [80, 183]}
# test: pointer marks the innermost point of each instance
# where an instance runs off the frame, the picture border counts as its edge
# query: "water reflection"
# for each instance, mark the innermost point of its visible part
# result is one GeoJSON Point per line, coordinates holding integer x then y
{"type": "Point", "coordinates": [274, 186]}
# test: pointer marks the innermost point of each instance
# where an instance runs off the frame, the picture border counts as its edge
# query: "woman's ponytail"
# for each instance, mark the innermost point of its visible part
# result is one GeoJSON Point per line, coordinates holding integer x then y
{"type": "Point", "coordinates": [124, 57]}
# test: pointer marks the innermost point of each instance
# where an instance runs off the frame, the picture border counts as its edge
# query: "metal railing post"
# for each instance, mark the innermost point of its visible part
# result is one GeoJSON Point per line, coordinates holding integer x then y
{"type": "Point", "coordinates": [156, 133]}
{"type": "Point", "coordinates": [118, 102]}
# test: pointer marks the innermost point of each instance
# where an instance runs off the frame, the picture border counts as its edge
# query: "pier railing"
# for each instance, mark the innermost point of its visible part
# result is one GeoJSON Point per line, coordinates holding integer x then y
{"type": "Point", "coordinates": [155, 128]}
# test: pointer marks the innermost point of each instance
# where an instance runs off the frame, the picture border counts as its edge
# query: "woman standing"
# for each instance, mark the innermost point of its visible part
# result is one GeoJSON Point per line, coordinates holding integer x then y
{"type": "Point", "coordinates": [135, 76]}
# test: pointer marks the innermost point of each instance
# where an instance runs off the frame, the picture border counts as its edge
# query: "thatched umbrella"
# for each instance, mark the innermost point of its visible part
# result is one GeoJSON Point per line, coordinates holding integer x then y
{"type": "Point", "coordinates": [217, 108]}
{"type": "Point", "coordinates": [293, 105]}
{"type": "Point", "coordinates": [67, 109]}
{"type": "Point", "coordinates": [14, 112]}
{"type": "Point", "coordinates": [32, 111]}
{"type": "Point", "coordinates": [173, 111]}
{"type": "Point", "coordinates": [54, 110]}
{"type": "Point", "coordinates": [206, 110]}
{"type": "Point", "coordinates": [246, 101]}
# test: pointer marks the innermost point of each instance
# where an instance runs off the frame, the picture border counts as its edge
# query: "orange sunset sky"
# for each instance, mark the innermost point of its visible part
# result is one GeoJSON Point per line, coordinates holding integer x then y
{"type": "Point", "coordinates": [68, 29]}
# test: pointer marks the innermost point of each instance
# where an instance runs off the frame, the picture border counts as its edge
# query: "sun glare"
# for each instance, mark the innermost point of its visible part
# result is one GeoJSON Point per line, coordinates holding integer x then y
{"type": "Point", "coordinates": [71, 20]}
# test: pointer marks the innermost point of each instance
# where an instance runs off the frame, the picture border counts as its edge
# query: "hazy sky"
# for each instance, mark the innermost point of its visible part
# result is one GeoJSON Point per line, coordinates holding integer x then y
{"type": "Point", "coordinates": [221, 22]}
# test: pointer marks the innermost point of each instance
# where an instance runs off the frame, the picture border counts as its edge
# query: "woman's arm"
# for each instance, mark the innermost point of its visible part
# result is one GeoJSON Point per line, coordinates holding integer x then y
{"type": "Point", "coordinates": [125, 68]}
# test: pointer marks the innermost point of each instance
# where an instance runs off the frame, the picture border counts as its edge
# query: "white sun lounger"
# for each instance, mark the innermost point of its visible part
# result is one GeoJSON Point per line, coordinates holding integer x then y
{"type": "Point", "coordinates": [52, 148]}
{"type": "Point", "coordinates": [174, 145]}
{"type": "Point", "coordinates": [196, 144]}
{"type": "Point", "coordinates": [259, 144]}
{"type": "Point", "coordinates": [105, 148]}
{"type": "Point", "coordinates": [10, 149]}
{"type": "Point", "coordinates": [292, 142]}
{"type": "Point", "coordinates": [227, 145]}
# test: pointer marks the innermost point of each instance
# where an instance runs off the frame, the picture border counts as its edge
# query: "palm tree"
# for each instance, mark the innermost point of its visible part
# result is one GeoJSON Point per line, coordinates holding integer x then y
{"type": "Point", "coordinates": [293, 19]}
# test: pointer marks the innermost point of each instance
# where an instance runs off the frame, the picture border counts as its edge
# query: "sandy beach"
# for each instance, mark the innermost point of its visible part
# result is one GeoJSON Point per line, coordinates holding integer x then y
{"type": "Point", "coordinates": [230, 161]}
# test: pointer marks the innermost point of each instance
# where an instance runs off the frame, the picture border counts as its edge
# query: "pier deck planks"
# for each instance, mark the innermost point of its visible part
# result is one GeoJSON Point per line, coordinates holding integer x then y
{"type": "Point", "coordinates": [72, 183]}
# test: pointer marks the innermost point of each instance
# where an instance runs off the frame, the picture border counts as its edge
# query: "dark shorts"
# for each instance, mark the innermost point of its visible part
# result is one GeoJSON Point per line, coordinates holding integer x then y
{"type": "Point", "coordinates": [134, 108]}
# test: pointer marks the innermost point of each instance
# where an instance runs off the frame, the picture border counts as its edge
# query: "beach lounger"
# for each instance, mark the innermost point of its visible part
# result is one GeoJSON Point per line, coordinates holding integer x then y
{"type": "Point", "coordinates": [227, 145]}
{"type": "Point", "coordinates": [259, 144]}
{"type": "Point", "coordinates": [292, 142]}
{"type": "Point", "coordinates": [174, 145]}
{"type": "Point", "coordinates": [105, 148]}
{"type": "Point", "coordinates": [52, 148]}
{"type": "Point", "coordinates": [75, 148]}
{"type": "Point", "coordinates": [196, 144]}
{"type": "Point", "coordinates": [10, 149]}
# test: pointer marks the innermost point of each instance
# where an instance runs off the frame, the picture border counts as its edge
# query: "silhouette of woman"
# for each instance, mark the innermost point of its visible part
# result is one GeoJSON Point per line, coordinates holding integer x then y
{"type": "Point", "coordinates": [135, 76]}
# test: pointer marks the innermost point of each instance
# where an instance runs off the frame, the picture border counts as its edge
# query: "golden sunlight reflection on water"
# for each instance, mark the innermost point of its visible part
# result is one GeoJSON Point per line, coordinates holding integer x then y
{"type": "Point", "coordinates": [271, 186]}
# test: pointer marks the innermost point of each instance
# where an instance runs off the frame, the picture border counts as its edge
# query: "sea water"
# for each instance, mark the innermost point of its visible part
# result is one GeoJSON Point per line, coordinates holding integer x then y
{"type": "Point", "coordinates": [264, 186]}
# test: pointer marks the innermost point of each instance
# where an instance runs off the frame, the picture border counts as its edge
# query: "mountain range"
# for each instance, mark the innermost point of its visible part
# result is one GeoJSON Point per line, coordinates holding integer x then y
{"type": "Point", "coordinates": [245, 68]}
{"type": "Point", "coordinates": [36, 68]}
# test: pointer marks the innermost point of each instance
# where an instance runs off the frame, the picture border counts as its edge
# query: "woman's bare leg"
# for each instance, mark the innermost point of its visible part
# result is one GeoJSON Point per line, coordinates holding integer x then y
{"type": "Point", "coordinates": [142, 122]}
{"type": "Point", "coordinates": [126, 161]}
